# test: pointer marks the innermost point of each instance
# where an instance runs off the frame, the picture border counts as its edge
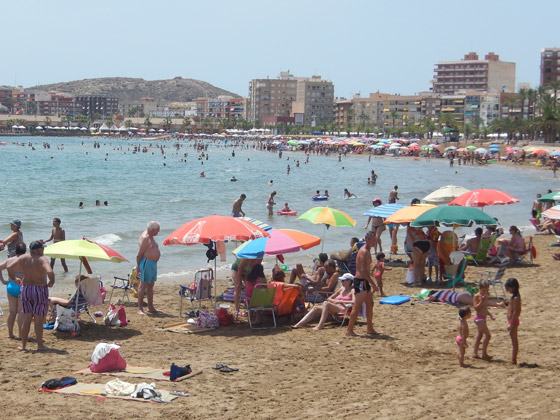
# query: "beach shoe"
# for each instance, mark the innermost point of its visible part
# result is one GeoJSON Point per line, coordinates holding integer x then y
{"type": "Point", "coordinates": [237, 314]}
{"type": "Point", "coordinates": [49, 325]}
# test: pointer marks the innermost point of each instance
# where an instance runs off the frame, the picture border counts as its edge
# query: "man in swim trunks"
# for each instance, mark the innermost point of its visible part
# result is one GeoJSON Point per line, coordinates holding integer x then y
{"type": "Point", "coordinates": [57, 235]}
{"type": "Point", "coordinates": [236, 210]}
{"type": "Point", "coordinates": [146, 264]}
{"type": "Point", "coordinates": [35, 292]}
{"type": "Point", "coordinates": [472, 244]}
{"type": "Point", "coordinates": [394, 195]}
{"type": "Point", "coordinates": [363, 284]}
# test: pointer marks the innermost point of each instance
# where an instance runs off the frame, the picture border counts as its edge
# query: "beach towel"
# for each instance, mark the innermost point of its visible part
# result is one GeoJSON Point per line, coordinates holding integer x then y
{"type": "Point", "coordinates": [153, 374]}
{"type": "Point", "coordinates": [184, 328]}
{"type": "Point", "coordinates": [96, 390]}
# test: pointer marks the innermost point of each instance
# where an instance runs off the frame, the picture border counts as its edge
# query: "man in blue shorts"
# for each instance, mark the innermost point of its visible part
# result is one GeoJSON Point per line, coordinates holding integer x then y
{"type": "Point", "coordinates": [146, 265]}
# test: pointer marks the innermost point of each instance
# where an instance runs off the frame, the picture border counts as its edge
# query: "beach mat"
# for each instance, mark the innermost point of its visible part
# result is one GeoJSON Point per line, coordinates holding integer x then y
{"type": "Point", "coordinates": [184, 328]}
{"type": "Point", "coordinates": [97, 390]}
{"type": "Point", "coordinates": [395, 300]}
{"type": "Point", "coordinates": [138, 372]}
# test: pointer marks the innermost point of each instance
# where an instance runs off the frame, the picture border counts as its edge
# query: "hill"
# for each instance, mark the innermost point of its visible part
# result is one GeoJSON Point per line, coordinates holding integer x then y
{"type": "Point", "coordinates": [129, 89]}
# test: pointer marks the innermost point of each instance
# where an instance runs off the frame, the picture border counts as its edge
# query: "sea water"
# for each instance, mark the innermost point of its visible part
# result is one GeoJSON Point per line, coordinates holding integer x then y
{"type": "Point", "coordinates": [41, 183]}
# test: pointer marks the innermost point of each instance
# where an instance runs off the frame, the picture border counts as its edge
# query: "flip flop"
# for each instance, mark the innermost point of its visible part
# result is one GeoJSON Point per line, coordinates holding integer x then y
{"type": "Point", "coordinates": [227, 369]}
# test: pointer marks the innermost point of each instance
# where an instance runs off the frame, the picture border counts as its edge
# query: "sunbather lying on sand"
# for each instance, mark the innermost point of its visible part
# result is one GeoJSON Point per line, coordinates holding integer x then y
{"type": "Point", "coordinates": [455, 298]}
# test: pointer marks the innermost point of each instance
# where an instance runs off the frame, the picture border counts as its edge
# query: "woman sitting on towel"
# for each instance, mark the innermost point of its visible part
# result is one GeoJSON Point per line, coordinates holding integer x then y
{"type": "Point", "coordinates": [333, 305]}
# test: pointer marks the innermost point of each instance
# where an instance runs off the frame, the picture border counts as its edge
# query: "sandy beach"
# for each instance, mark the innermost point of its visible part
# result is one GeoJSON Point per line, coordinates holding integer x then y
{"type": "Point", "coordinates": [410, 371]}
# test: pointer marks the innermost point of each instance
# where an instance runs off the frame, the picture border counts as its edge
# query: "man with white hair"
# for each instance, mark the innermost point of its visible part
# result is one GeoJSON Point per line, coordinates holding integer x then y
{"type": "Point", "coordinates": [146, 266]}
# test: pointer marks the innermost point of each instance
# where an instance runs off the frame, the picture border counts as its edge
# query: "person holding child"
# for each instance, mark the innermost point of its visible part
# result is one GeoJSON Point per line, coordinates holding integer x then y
{"type": "Point", "coordinates": [463, 334]}
{"type": "Point", "coordinates": [514, 310]}
{"type": "Point", "coordinates": [480, 303]}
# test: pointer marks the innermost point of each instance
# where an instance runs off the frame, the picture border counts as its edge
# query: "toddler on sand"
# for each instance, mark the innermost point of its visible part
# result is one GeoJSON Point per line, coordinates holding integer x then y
{"type": "Point", "coordinates": [514, 310]}
{"type": "Point", "coordinates": [480, 303]}
{"type": "Point", "coordinates": [463, 333]}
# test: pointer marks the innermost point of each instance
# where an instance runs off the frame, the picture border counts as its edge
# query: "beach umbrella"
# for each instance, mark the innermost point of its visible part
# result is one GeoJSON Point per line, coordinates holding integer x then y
{"type": "Point", "coordinates": [445, 194]}
{"type": "Point", "coordinates": [211, 229]}
{"type": "Point", "coordinates": [539, 152]}
{"type": "Point", "coordinates": [554, 153]}
{"type": "Point", "coordinates": [553, 196]}
{"type": "Point", "coordinates": [408, 214]}
{"type": "Point", "coordinates": [384, 210]}
{"type": "Point", "coordinates": [264, 226]}
{"type": "Point", "coordinates": [280, 241]}
{"type": "Point", "coordinates": [328, 217]}
{"type": "Point", "coordinates": [481, 150]}
{"type": "Point", "coordinates": [483, 197]}
{"type": "Point", "coordinates": [84, 250]}
{"type": "Point", "coordinates": [293, 143]}
{"type": "Point", "coordinates": [453, 215]}
{"type": "Point", "coordinates": [552, 213]}
{"type": "Point", "coordinates": [450, 149]}
{"type": "Point", "coordinates": [470, 147]}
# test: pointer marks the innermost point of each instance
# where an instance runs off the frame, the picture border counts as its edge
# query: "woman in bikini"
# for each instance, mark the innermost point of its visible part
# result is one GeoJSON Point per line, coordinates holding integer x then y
{"type": "Point", "coordinates": [418, 243]}
{"type": "Point", "coordinates": [377, 225]}
{"type": "Point", "coordinates": [333, 305]}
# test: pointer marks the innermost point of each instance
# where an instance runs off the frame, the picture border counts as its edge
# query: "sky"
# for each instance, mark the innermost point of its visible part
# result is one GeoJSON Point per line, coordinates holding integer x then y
{"type": "Point", "coordinates": [361, 46]}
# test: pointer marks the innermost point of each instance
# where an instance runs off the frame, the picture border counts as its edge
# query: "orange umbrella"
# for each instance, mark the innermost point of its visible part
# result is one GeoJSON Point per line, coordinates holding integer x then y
{"type": "Point", "coordinates": [408, 214]}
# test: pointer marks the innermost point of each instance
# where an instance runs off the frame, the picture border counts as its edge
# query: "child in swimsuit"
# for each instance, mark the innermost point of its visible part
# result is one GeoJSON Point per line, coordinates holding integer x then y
{"type": "Point", "coordinates": [514, 310]}
{"type": "Point", "coordinates": [463, 333]}
{"type": "Point", "coordinates": [480, 303]}
{"type": "Point", "coordinates": [378, 270]}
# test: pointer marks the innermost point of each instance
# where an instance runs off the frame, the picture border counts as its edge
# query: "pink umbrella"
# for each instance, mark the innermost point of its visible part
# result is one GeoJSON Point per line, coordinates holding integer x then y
{"type": "Point", "coordinates": [483, 197]}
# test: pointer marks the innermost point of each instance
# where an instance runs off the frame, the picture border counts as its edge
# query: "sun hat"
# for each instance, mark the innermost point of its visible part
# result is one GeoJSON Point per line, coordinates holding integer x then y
{"type": "Point", "coordinates": [376, 199]}
{"type": "Point", "coordinates": [346, 276]}
{"type": "Point", "coordinates": [16, 222]}
{"type": "Point", "coordinates": [36, 245]}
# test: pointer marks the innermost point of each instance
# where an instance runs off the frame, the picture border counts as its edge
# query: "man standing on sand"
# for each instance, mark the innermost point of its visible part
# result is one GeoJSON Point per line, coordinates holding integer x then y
{"type": "Point", "coordinates": [57, 235]}
{"type": "Point", "coordinates": [35, 292]}
{"type": "Point", "coordinates": [146, 266]}
{"type": "Point", "coordinates": [236, 210]}
{"type": "Point", "coordinates": [363, 283]}
{"type": "Point", "coordinates": [394, 195]}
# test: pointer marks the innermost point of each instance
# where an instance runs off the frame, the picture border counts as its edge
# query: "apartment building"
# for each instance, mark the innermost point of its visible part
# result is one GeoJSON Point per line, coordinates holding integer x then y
{"type": "Point", "coordinates": [550, 65]}
{"type": "Point", "coordinates": [101, 105]}
{"type": "Point", "coordinates": [308, 100]}
{"type": "Point", "coordinates": [222, 107]}
{"type": "Point", "coordinates": [470, 73]}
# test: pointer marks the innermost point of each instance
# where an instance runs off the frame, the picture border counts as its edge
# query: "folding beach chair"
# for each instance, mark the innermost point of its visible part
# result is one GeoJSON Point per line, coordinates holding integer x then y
{"type": "Point", "coordinates": [458, 276]}
{"type": "Point", "coordinates": [87, 294]}
{"type": "Point", "coordinates": [495, 277]}
{"type": "Point", "coordinates": [529, 255]}
{"type": "Point", "coordinates": [122, 284]}
{"type": "Point", "coordinates": [199, 290]}
{"type": "Point", "coordinates": [261, 301]}
{"type": "Point", "coordinates": [482, 251]}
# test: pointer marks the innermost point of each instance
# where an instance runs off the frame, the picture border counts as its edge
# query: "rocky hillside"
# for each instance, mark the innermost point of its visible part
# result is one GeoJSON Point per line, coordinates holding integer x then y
{"type": "Point", "coordinates": [131, 89]}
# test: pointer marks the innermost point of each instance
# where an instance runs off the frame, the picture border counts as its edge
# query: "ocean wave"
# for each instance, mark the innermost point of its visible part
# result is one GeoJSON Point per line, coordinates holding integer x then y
{"type": "Point", "coordinates": [107, 239]}
{"type": "Point", "coordinates": [179, 200]}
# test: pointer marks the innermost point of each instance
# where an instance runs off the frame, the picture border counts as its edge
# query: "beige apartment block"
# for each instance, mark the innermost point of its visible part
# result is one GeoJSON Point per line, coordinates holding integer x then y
{"type": "Point", "coordinates": [470, 73]}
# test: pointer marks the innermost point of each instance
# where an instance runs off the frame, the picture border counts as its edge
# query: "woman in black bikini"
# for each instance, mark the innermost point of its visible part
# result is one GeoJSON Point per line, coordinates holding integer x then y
{"type": "Point", "coordinates": [418, 242]}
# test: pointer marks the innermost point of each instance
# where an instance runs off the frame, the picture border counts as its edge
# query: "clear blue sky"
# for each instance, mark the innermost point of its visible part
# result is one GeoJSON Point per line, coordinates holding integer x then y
{"type": "Point", "coordinates": [361, 46]}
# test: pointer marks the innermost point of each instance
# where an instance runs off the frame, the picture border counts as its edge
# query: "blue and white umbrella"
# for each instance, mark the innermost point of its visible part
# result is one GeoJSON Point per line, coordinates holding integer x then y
{"type": "Point", "coordinates": [384, 210]}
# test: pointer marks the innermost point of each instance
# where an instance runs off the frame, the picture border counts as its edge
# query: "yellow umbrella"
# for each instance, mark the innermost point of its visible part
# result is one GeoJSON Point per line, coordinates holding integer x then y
{"type": "Point", "coordinates": [408, 214]}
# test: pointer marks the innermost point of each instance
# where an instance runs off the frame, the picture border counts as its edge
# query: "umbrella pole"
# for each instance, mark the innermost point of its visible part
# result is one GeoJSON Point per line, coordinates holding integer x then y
{"type": "Point", "coordinates": [78, 290]}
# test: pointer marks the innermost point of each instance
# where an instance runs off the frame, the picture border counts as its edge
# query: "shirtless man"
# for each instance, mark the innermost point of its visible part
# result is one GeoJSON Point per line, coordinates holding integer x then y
{"type": "Point", "coordinates": [363, 284]}
{"type": "Point", "coordinates": [35, 292]}
{"type": "Point", "coordinates": [472, 244]}
{"type": "Point", "coordinates": [317, 273]}
{"type": "Point", "coordinates": [236, 211]}
{"type": "Point", "coordinates": [146, 265]}
{"type": "Point", "coordinates": [394, 195]}
{"type": "Point", "coordinates": [13, 266]}
{"type": "Point", "coordinates": [538, 206]}
{"type": "Point", "coordinates": [57, 235]}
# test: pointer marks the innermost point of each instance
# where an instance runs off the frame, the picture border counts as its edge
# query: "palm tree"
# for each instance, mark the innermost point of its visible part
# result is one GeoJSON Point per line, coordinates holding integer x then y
{"type": "Point", "coordinates": [47, 121]}
{"type": "Point", "coordinates": [394, 117]}
{"type": "Point", "coordinates": [549, 120]}
{"type": "Point", "coordinates": [555, 87]}
{"type": "Point", "coordinates": [148, 122]}
{"type": "Point", "coordinates": [430, 127]}
{"type": "Point", "coordinates": [167, 123]}
{"type": "Point", "coordinates": [186, 123]}
{"type": "Point", "coordinates": [467, 130]}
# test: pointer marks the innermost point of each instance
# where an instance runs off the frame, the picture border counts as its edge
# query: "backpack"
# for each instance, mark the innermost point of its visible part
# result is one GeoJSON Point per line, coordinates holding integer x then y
{"type": "Point", "coordinates": [116, 317]}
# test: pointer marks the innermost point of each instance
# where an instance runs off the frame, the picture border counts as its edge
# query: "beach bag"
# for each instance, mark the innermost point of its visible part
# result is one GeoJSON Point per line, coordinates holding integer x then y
{"type": "Point", "coordinates": [224, 317]}
{"type": "Point", "coordinates": [119, 388]}
{"type": "Point", "coordinates": [52, 384]}
{"type": "Point", "coordinates": [116, 317]}
{"type": "Point", "coordinates": [106, 358]}
{"type": "Point", "coordinates": [66, 320]}
{"type": "Point", "coordinates": [207, 319]}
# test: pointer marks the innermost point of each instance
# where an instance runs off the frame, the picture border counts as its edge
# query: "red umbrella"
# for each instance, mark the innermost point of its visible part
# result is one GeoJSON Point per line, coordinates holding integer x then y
{"type": "Point", "coordinates": [483, 197]}
{"type": "Point", "coordinates": [214, 228]}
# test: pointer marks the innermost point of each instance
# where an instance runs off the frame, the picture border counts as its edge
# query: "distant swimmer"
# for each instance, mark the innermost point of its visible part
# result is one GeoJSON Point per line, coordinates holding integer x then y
{"type": "Point", "coordinates": [326, 193]}
{"type": "Point", "coordinates": [233, 179]}
{"type": "Point", "coordinates": [271, 182]}
{"type": "Point", "coordinates": [317, 194]}
{"type": "Point", "coordinates": [81, 205]}
{"type": "Point", "coordinates": [348, 194]}
{"type": "Point", "coordinates": [202, 175]}
{"type": "Point", "coordinates": [394, 195]}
